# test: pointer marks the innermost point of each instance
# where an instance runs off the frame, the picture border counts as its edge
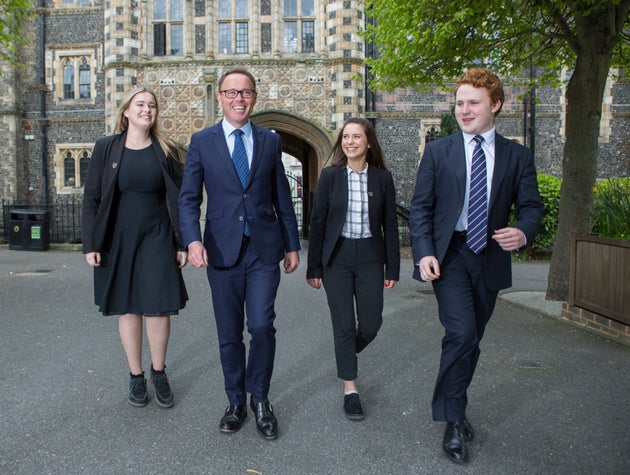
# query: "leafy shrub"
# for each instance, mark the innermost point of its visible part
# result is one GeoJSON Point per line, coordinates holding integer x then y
{"type": "Point", "coordinates": [549, 188]}
{"type": "Point", "coordinates": [611, 208]}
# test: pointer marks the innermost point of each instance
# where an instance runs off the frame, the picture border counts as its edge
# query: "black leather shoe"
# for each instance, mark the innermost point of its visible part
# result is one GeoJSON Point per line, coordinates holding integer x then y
{"type": "Point", "coordinates": [266, 421]}
{"type": "Point", "coordinates": [454, 444]}
{"type": "Point", "coordinates": [469, 433]}
{"type": "Point", "coordinates": [233, 418]}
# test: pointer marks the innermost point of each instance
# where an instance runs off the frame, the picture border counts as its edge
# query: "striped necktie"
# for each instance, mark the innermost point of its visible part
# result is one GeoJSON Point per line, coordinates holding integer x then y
{"type": "Point", "coordinates": [478, 200]}
{"type": "Point", "coordinates": [241, 164]}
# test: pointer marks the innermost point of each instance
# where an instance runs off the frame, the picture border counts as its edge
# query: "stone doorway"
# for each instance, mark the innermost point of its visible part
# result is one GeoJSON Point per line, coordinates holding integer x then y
{"type": "Point", "coordinates": [309, 144]}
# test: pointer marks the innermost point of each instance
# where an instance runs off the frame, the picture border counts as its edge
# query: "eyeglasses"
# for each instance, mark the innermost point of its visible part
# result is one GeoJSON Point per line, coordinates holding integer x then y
{"type": "Point", "coordinates": [232, 93]}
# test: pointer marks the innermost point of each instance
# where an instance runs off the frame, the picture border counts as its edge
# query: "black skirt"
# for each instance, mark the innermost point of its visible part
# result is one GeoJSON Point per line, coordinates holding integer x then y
{"type": "Point", "coordinates": [138, 272]}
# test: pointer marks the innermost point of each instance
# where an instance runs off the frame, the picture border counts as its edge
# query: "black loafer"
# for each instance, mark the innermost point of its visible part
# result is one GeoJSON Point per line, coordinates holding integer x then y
{"type": "Point", "coordinates": [453, 443]}
{"type": "Point", "coordinates": [266, 421]}
{"type": "Point", "coordinates": [233, 418]}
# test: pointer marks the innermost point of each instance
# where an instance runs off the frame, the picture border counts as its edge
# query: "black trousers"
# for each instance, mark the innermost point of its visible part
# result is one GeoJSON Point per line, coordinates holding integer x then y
{"type": "Point", "coordinates": [355, 277]}
{"type": "Point", "coordinates": [465, 307]}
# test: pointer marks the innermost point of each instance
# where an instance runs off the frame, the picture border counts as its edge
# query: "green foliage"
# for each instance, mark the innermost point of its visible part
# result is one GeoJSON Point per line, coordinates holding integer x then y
{"type": "Point", "coordinates": [549, 188]}
{"type": "Point", "coordinates": [12, 16]}
{"type": "Point", "coordinates": [423, 43]}
{"type": "Point", "coordinates": [611, 208]}
{"type": "Point", "coordinates": [448, 124]}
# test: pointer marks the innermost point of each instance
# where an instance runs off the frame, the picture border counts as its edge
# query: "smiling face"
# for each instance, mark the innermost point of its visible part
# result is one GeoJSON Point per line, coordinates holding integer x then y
{"type": "Point", "coordinates": [142, 111]}
{"type": "Point", "coordinates": [474, 109]}
{"type": "Point", "coordinates": [354, 143]}
{"type": "Point", "coordinates": [236, 111]}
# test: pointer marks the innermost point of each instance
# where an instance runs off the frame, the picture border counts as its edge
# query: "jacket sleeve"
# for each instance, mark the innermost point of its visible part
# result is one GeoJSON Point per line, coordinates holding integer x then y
{"type": "Point", "coordinates": [390, 231]}
{"type": "Point", "coordinates": [317, 227]}
{"type": "Point", "coordinates": [422, 208]}
{"type": "Point", "coordinates": [92, 196]}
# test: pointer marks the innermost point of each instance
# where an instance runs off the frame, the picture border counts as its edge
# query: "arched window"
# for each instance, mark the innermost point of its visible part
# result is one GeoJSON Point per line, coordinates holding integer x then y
{"type": "Point", "coordinates": [84, 80]}
{"type": "Point", "coordinates": [432, 134]}
{"type": "Point", "coordinates": [68, 80]}
{"type": "Point", "coordinates": [84, 162]}
{"type": "Point", "coordinates": [68, 170]}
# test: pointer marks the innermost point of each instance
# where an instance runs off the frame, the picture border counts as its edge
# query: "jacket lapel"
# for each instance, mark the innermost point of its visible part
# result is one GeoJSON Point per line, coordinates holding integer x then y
{"type": "Point", "coordinates": [501, 162]}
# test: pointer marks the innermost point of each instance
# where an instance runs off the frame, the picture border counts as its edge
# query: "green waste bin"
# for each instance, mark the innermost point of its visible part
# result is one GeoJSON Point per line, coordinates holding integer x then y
{"type": "Point", "coordinates": [29, 229]}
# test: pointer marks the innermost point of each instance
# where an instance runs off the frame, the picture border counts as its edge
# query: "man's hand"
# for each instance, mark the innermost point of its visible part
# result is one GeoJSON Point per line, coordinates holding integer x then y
{"type": "Point", "coordinates": [510, 239]}
{"type": "Point", "coordinates": [429, 268]}
{"type": "Point", "coordinates": [197, 254]}
{"type": "Point", "coordinates": [291, 261]}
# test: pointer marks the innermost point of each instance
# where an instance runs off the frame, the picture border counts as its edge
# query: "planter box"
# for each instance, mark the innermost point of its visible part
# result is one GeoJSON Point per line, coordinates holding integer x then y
{"type": "Point", "coordinates": [600, 276]}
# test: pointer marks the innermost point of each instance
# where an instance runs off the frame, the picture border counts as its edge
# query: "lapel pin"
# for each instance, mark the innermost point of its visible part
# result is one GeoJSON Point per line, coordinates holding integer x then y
{"type": "Point", "coordinates": [114, 165]}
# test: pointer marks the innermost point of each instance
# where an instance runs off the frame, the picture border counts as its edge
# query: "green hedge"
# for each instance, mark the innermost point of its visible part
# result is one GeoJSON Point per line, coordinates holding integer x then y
{"type": "Point", "coordinates": [611, 212]}
{"type": "Point", "coordinates": [549, 188]}
{"type": "Point", "coordinates": [611, 208]}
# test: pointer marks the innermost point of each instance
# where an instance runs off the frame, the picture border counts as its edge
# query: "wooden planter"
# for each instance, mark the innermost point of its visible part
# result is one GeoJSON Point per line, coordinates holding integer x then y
{"type": "Point", "coordinates": [600, 276]}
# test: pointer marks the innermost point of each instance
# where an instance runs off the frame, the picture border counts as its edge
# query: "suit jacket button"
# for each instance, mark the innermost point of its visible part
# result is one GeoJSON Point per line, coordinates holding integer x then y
{"type": "Point", "coordinates": [240, 218]}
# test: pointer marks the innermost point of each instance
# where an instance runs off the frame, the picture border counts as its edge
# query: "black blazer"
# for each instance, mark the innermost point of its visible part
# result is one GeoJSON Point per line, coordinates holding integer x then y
{"type": "Point", "coordinates": [100, 189]}
{"type": "Point", "coordinates": [439, 197]}
{"type": "Point", "coordinates": [329, 214]}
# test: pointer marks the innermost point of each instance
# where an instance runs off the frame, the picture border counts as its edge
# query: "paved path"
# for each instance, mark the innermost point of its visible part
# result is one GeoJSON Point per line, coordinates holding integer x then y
{"type": "Point", "coordinates": [547, 397]}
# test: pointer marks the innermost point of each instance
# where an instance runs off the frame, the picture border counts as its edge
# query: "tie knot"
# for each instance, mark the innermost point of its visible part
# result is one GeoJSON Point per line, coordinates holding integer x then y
{"type": "Point", "coordinates": [238, 132]}
{"type": "Point", "coordinates": [478, 138]}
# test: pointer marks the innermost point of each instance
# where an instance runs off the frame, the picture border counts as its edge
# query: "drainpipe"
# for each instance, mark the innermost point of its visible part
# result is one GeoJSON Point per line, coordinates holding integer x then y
{"type": "Point", "coordinates": [42, 101]}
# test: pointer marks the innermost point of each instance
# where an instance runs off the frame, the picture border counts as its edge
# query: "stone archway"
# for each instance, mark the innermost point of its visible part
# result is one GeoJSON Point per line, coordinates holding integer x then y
{"type": "Point", "coordinates": [307, 142]}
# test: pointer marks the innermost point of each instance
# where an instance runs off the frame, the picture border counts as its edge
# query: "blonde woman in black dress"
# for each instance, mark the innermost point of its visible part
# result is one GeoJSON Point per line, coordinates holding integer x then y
{"type": "Point", "coordinates": [131, 238]}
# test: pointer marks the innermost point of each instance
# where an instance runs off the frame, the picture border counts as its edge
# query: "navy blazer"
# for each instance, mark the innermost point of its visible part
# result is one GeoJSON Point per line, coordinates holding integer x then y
{"type": "Point", "coordinates": [101, 184]}
{"type": "Point", "coordinates": [329, 215]}
{"type": "Point", "coordinates": [265, 202]}
{"type": "Point", "coordinates": [439, 197]}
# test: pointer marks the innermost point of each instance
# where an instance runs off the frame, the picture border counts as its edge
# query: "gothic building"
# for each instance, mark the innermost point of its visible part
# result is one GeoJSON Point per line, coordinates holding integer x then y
{"type": "Point", "coordinates": [86, 55]}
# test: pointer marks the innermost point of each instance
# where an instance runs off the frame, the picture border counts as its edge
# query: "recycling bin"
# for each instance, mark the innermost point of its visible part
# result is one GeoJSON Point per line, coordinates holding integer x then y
{"type": "Point", "coordinates": [29, 229]}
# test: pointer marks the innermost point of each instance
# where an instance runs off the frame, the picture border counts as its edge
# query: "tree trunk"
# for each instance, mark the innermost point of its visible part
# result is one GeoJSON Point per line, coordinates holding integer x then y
{"type": "Point", "coordinates": [584, 96]}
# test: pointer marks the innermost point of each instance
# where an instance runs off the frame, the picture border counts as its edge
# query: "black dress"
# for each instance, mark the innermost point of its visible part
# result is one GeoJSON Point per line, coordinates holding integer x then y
{"type": "Point", "coordinates": [139, 273]}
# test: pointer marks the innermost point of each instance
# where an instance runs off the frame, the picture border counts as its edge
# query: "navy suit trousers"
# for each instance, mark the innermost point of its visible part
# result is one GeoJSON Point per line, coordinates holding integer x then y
{"type": "Point", "coordinates": [248, 288]}
{"type": "Point", "coordinates": [465, 307]}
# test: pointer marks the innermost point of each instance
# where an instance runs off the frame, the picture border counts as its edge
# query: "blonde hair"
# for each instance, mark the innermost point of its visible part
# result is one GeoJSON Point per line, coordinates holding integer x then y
{"type": "Point", "coordinates": [122, 124]}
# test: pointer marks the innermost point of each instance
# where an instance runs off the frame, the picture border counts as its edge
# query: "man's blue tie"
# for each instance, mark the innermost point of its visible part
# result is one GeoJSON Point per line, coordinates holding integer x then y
{"type": "Point", "coordinates": [477, 200]}
{"type": "Point", "coordinates": [241, 164]}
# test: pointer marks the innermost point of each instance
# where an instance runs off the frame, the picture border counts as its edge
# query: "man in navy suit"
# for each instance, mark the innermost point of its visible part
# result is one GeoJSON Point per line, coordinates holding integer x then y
{"type": "Point", "coordinates": [250, 227]}
{"type": "Point", "coordinates": [461, 242]}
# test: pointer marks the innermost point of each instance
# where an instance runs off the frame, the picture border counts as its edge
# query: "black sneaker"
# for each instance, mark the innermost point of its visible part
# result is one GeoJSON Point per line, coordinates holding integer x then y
{"type": "Point", "coordinates": [352, 407]}
{"type": "Point", "coordinates": [138, 396]}
{"type": "Point", "coordinates": [163, 393]}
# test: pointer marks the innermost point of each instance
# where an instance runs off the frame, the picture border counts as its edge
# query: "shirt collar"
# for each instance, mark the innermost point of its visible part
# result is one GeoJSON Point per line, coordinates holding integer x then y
{"type": "Point", "coordinates": [488, 137]}
{"type": "Point", "coordinates": [229, 128]}
{"type": "Point", "coordinates": [350, 170]}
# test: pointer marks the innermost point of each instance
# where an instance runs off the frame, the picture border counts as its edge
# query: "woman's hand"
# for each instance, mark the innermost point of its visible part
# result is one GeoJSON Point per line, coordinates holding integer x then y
{"type": "Point", "coordinates": [182, 258]}
{"type": "Point", "coordinates": [93, 258]}
{"type": "Point", "coordinates": [315, 283]}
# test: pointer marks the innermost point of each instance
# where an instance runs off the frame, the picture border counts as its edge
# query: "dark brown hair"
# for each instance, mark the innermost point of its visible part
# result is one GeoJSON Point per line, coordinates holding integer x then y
{"type": "Point", "coordinates": [374, 155]}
